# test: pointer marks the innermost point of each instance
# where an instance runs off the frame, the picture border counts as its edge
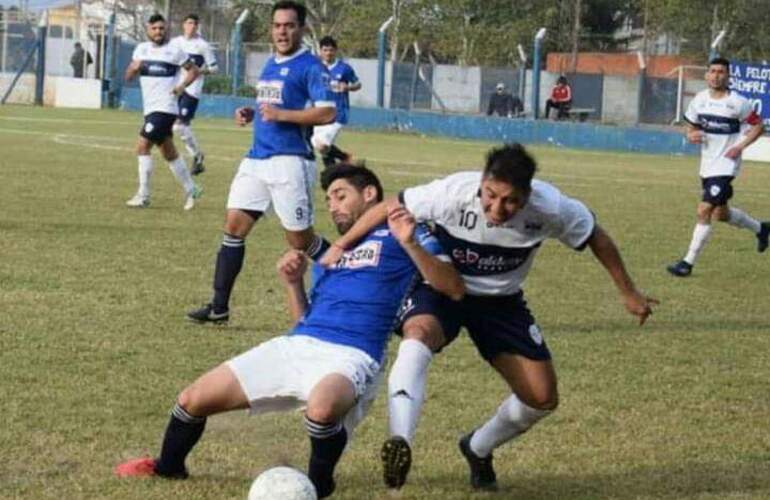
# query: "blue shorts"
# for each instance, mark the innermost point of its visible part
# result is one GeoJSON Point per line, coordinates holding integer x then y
{"type": "Point", "coordinates": [496, 324]}
{"type": "Point", "coordinates": [187, 107]}
{"type": "Point", "coordinates": [717, 190]}
{"type": "Point", "coordinates": [158, 127]}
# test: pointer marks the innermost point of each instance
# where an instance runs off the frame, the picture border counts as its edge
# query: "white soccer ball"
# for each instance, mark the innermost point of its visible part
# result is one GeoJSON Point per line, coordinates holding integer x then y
{"type": "Point", "coordinates": [282, 483]}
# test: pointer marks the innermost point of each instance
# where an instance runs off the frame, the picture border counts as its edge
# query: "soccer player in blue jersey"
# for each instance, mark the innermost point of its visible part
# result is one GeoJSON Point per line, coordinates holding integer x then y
{"type": "Point", "coordinates": [279, 170]}
{"type": "Point", "coordinates": [330, 362]}
{"type": "Point", "coordinates": [492, 224]}
{"type": "Point", "coordinates": [343, 81]}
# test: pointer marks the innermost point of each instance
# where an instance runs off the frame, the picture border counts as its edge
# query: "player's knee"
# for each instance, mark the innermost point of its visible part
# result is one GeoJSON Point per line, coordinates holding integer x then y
{"type": "Point", "coordinates": [704, 212]}
{"type": "Point", "coordinates": [426, 332]}
{"type": "Point", "coordinates": [190, 399]}
{"type": "Point", "coordinates": [722, 213]}
{"type": "Point", "coordinates": [544, 400]}
{"type": "Point", "coordinates": [323, 412]}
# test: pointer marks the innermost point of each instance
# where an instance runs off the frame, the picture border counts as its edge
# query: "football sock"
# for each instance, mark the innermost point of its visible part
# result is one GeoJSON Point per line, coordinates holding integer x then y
{"type": "Point", "coordinates": [182, 434]}
{"type": "Point", "coordinates": [512, 419]}
{"type": "Point", "coordinates": [317, 247]}
{"type": "Point", "coordinates": [406, 387]}
{"type": "Point", "coordinates": [145, 172]}
{"type": "Point", "coordinates": [229, 264]}
{"type": "Point", "coordinates": [700, 236]}
{"type": "Point", "coordinates": [327, 442]}
{"type": "Point", "coordinates": [739, 218]}
{"type": "Point", "coordinates": [179, 169]}
{"type": "Point", "coordinates": [189, 139]}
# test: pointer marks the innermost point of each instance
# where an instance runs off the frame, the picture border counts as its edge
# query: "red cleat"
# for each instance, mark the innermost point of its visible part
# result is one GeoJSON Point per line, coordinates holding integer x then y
{"type": "Point", "coordinates": [136, 467]}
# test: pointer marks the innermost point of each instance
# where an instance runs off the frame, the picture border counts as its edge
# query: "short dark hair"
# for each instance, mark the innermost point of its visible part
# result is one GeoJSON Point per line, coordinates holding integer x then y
{"type": "Point", "coordinates": [721, 61]}
{"type": "Point", "coordinates": [328, 41]}
{"type": "Point", "coordinates": [360, 177]}
{"type": "Point", "coordinates": [511, 164]}
{"type": "Point", "coordinates": [156, 18]}
{"type": "Point", "coordinates": [300, 9]}
{"type": "Point", "coordinates": [562, 79]}
{"type": "Point", "coordinates": [194, 17]}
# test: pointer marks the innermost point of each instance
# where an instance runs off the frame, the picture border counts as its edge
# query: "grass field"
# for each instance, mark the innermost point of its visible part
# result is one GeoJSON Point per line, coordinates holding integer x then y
{"type": "Point", "coordinates": [94, 346]}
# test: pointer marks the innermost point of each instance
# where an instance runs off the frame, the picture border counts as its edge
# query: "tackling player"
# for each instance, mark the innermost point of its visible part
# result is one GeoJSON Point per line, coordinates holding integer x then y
{"type": "Point", "coordinates": [343, 81]}
{"type": "Point", "coordinates": [492, 224]}
{"type": "Point", "coordinates": [279, 169]}
{"type": "Point", "coordinates": [157, 63]}
{"type": "Point", "coordinates": [199, 51]}
{"type": "Point", "coordinates": [717, 119]}
{"type": "Point", "coordinates": [330, 362]}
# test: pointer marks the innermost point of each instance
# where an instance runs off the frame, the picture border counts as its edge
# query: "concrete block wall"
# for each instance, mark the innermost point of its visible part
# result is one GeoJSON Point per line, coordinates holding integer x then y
{"type": "Point", "coordinates": [458, 87]}
{"type": "Point", "coordinates": [620, 100]}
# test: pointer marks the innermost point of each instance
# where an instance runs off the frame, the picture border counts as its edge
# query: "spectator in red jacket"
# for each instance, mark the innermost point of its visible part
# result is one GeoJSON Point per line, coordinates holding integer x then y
{"type": "Point", "coordinates": [561, 99]}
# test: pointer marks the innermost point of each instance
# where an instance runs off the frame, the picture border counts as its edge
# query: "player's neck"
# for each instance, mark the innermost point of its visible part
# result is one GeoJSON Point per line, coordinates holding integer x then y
{"type": "Point", "coordinates": [718, 93]}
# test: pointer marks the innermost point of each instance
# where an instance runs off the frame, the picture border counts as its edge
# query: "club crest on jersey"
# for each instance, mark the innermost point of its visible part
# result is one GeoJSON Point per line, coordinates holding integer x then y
{"type": "Point", "coordinates": [284, 71]}
{"type": "Point", "coordinates": [365, 255]}
{"type": "Point", "coordinates": [270, 91]}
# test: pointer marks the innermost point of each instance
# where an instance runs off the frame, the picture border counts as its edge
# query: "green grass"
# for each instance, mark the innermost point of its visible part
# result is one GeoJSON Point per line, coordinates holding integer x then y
{"type": "Point", "coordinates": [94, 347]}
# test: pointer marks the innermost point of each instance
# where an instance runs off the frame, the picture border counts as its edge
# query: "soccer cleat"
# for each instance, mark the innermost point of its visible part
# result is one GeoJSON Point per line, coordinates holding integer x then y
{"type": "Point", "coordinates": [762, 237]}
{"type": "Point", "coordinates": [483, 475]}
{"type": "Point", "coordinates": [681, 269]}
{"type": "Point", "coordinates": [198, 167]}
{"type": "Point", "coordinates": [207, 314]}
{"type": "Point", "coordinates": [396, 458]}
{"type": "Point", "coordinates": [138, 201]}
{"type": "Point", "coordinates": [196, 193]}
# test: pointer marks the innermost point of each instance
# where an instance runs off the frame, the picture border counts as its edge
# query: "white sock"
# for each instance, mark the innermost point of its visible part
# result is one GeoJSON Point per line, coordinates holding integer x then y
{"type": "Point", "coordinates": [189, 140]}
{"type": "Point", "coordinates": [145, 172]}
{"type": "Point", "coordinates": [700, 236]}
{"type": "Point", "coordinates": [179, 169]}
{"type": "Point", "coordinates": [513, 418]}
{"type": "Point", "coordinates": [739, 218]}
{"type": "Point", "coordinates": [406, 387]}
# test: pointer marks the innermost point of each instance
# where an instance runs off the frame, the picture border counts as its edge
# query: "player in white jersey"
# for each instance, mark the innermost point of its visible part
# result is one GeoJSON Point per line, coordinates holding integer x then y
{"type": "Point", "coordinates": [492, 224]}
{"type": "Point", "coordinates": [200, 52]}
{"type": "Point", "coordinates": [157, 63]}
{"type": "Point", "coordinates": [724, 124]}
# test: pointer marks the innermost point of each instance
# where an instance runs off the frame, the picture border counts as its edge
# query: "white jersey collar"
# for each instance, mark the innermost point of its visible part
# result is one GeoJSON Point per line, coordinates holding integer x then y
{"type": "Point", "coordinates": [283, 59]}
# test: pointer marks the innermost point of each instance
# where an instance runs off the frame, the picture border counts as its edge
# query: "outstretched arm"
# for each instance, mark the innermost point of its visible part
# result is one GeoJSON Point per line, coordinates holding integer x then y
{"type": "Point", "coordinates": [607, 253]}
{"type": "Point", "coordinates": [291, 269]}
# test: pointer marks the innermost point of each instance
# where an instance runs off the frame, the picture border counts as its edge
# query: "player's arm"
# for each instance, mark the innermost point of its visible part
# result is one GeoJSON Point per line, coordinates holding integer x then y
{"type": "Point", "coordinates": [754, 133]}
{"type": "Point", "coordinates": [606, 252]}
{"type": "Point", "coordinates": [442, 276]}
{"type": "Point", "coordinates": [693, 133]}
{"type": "Point", "coordinates": [191, 74]}
{"type": "Point", "coordinates": [370, 219]}
{"type": "Point", "coordinates": [317, 115]}
{"type": "Point", "coordinates": [210, 65]}
{"type": "Point", "coordinates": [132, 69]}
{"type": "Point", "coordinates": [291, 269]}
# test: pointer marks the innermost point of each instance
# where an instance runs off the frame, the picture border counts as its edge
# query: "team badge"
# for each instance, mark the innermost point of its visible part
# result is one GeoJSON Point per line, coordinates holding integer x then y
{"type": "Point", "coordinates": [284, 71]}
{"type": "Point", "coordinates": [148, 127]}
{"type": "Point", "coordinates": [715, 190]}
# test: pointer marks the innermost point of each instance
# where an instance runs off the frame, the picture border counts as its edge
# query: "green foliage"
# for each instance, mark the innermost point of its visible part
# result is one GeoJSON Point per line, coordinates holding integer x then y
{"type": "Point", "coordinates": [222, 84]}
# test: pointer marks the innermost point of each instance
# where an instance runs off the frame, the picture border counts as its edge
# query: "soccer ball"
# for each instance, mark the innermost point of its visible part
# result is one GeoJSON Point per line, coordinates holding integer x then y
{"type": "Point", "coordinates": [282, 483]}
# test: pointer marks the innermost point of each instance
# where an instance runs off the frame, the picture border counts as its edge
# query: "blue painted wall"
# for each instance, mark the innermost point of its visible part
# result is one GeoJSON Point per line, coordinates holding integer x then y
{"type": "Point", "coordinates": [561, 134]}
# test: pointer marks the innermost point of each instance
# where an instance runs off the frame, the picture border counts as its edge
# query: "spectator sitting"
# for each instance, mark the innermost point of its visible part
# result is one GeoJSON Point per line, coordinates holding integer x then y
{"type": "Point", "coordinates": [80, 60]}
{"type": "Point", "coordinates": [503, 103]}
{"type": "Point", "coordinates": [561, 99]}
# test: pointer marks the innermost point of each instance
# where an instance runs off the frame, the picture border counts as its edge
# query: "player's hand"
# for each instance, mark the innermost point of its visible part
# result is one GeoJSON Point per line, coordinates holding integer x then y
{"type": "Point", "coordinates": [269, 113]}
{"type": "Point", "coordinates": [695, 136]}
{"type": "Point", "coordinates": [178, 90]}
{"type": "Point", "coordinates": [244, 116]}
{"type": "Point", "coordinates": [734, 152]}
{"type": "Point", "coordinates": [639, 305]}
{"type": "Point", "coordinates": [402, 224]}
{"type": "Point", "coordinates": [292, 266]}
{"type": "Point", "coordinates": [332, 255]}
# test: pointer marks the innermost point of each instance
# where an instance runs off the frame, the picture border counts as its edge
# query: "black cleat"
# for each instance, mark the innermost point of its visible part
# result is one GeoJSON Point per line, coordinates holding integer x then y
{"type": "Point", "coordinates": [681, 269]}
{"type": "Point", "coordinates": [396, 461]}
{"type": "Point", "coordinates": [198, 167]}
{"type": "Point", "coordinates": [483, 475]}
{"type": "Point", "coordinates": [763, 236]}
{"type": "Point", "coordinates": [207, 314]}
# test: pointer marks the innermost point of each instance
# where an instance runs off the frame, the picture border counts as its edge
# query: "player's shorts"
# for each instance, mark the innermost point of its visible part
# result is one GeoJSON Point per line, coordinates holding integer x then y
{"type": "Point", "coordinates": [187, 107]}
{"type": "Point", "coordinates": [717, 190]}
{"type": "Point", "coordinates": [158, 127]}
{"type": "Point", "coordinates": [325, 135]}
{"type": "Point", "coordinates": [496, 324]}
{"type": "Point", "coordinates": [279, 374]}
{"type": "Point", "coordinates": [283, 183]}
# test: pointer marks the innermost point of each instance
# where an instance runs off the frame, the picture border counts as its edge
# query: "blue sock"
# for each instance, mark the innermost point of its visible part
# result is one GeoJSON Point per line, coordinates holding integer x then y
{"type": "Point", "coordinates": [229, 264]}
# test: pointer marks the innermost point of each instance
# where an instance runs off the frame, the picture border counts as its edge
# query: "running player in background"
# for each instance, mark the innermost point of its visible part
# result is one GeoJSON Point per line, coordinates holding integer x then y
{"type": "Point", "coordinates": [717, 119]}
{"type": "Point", "coordinates": [343, 81]}
{"type": "Point", "coordinates": [157, 63]}
{"type": "Point", "coordinates": [199, 51]}
{"type": "Point", "coordinates": [279, 169]}
{"type": "Point", "coordinates": [330, 362]}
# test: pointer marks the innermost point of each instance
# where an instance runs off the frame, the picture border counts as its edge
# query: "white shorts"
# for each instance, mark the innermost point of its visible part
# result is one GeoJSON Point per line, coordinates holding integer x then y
{"type": "Point", "coordinates": [324, 135]}
{"type": "Point", "coordinates": [279, 374]}
{"type": "Point", "coordinates": [283, 183]}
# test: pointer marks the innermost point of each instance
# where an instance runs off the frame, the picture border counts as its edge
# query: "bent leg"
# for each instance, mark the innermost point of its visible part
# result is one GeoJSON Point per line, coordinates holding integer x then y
{"type": "Point", "coordinates": [177, 165]}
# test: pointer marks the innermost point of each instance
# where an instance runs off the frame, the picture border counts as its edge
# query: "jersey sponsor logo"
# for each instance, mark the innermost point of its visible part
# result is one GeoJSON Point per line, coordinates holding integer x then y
{"type": "Point", "coordinates": [158, 69]}
{"type": "Point", "coordinates": [721, 125]}
{"type": "Point", "coordinates": [364, 255]}
{"type": "Point", "coordinates": [270, 91]}
{"type": "Point", "coordinates": [476, 259]}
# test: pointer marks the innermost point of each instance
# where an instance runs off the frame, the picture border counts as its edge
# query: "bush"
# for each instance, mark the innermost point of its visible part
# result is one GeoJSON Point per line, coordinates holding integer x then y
{"type": "Point", "coordinates": [221, 84]}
